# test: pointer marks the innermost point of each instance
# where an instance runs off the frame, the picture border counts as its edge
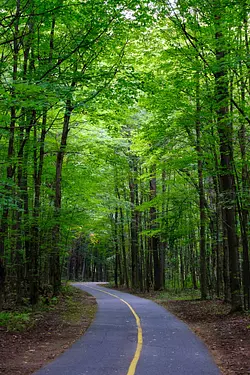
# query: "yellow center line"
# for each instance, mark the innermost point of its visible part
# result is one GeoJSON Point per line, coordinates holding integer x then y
{"type": "Point", "coordinates": [133, 364]}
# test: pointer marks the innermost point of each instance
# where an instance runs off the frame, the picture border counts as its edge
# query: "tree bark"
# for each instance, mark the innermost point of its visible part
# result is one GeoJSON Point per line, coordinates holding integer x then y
{"type": "Point", "coordinates": [202, 199]}
{"type": "Point", "coordinates": [155, 238]}
{"type": "Point", "coordinates": [226, 157]}
{"type": "Point", "coordinates": [55, 256]}
{"type": "Point", "coordinates": [134, 227]}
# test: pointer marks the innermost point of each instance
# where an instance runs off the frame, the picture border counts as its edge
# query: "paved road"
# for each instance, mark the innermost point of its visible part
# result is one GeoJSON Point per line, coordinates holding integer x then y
{"type": "Point", "coordinates": [109, 345]}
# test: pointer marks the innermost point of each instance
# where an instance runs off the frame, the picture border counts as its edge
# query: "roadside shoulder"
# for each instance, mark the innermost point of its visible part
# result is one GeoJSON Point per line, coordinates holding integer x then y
{"type": "Point", "coordinates": [49, 334]}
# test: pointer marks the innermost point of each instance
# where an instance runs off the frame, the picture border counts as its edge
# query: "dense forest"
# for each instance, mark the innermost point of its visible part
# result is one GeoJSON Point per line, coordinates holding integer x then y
{"type": "Point", "coordinates": [124, 146]}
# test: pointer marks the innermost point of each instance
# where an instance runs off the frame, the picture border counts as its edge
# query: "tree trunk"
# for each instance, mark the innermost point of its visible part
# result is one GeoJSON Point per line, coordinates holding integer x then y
{"type": "Point", "coordinates": [226, 158]}
{"type": "Point", "coordinates": [155, 238]}
{"type": "Point", "coordinates": [134, 228]}
{"type": "Point", "coordinates": [202, 199]}
{"type": "Point", "coordinates": [10, 169]}
{"type": "Point", "coordinates": [55, 258]}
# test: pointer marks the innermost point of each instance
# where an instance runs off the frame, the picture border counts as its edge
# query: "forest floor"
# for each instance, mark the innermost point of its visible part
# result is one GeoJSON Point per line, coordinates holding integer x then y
{"type": "Point", "coordinates": [226, 335]}
{"type": "Point", "coordinates": [49, 332]}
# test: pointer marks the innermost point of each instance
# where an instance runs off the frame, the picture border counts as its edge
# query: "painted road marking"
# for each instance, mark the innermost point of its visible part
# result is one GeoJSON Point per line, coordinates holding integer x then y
{"type": "Point", "coordinates": [133, 364]}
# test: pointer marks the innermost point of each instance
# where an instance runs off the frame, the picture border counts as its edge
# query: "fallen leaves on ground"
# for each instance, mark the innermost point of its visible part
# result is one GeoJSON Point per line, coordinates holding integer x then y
{"type": "Point", "coordinates": [55, 330]}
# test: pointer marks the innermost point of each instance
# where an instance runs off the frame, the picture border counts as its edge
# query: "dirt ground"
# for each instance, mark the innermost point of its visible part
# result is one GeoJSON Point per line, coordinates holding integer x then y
{"type": "Point", "coordinates": [226, 335]}
{"type": "Point", "coordinates": [22, 353]}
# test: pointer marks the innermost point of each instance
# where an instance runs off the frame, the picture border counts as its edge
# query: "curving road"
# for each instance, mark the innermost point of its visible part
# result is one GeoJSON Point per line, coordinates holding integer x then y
{"type": "Point", "coordinates": [113, 344]}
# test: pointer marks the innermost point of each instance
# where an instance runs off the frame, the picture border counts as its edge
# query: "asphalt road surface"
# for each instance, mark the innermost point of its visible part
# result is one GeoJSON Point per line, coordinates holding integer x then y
{"type": "Point", "coordinates": [132, 335]}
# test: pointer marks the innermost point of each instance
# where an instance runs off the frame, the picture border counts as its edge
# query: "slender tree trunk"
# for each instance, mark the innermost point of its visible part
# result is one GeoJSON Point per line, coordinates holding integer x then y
{"type": "Point", "coordinates": [116, 247]}
{"type": "Point", "coordinates": [226, 155]}
{"type": "Point", "coordinates": [35, 235]}
{"type": "Point", "coordinates": [22, 213]}
{"type": "Point", "coordinates": [193, 261]}
{"type": "Point", "coordinates": [55, 259]}
{"type": "Point", "coordinates": [123, 247]}
{"type": "Point", "coordinates": [202, 199]}
{"type": "Point", "coordinates": [10, 169]}
{"type": "Point", "coordinates": [243, 205]}
{"type": "Point", "coordinates": [125, 268]}
{"type": "Point", "coordinates": [134, 228]}
{"type": "Point", "coordinates": [163, 244]}
{"type": "Point", "coordinates": [155, 238]}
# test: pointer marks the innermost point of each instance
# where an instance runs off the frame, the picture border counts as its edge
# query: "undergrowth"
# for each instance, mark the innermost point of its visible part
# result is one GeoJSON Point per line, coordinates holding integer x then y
{"type": "Point", "coordinates": [180, 295]}
{"type": "Point", "coordinates": [167, 294]}
{"type": "Point", "coordinates": [14, 321]}
{"type": "Point", "coordinates": [19, 318]}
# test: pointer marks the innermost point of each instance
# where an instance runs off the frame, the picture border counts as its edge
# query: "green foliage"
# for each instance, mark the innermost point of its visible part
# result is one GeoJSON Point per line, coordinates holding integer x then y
{"type": "Point", "coordinates": [15, 321]}
{"type": "Point", "coordinates": [126, 76]}
{"type": "Point", "coordinates": [179, 295]}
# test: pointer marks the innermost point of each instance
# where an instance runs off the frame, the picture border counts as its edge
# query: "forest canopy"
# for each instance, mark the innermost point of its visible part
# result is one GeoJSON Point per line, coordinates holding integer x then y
{"type": "Point", "coordinates": [124, 144]}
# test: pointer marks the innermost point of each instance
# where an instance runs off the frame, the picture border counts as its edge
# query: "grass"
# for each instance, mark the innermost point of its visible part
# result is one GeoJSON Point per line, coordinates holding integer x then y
{"type": "Point", "coordinates": [27, 316]}
{"type": "Point", "coordinates": [166, 295]}
{"type": "Point", "coordinates": [179, 295]}
{"type": "Point", "coordinates": [15, 321]}
{"type": "Point", "coordinates": [75, 309]}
